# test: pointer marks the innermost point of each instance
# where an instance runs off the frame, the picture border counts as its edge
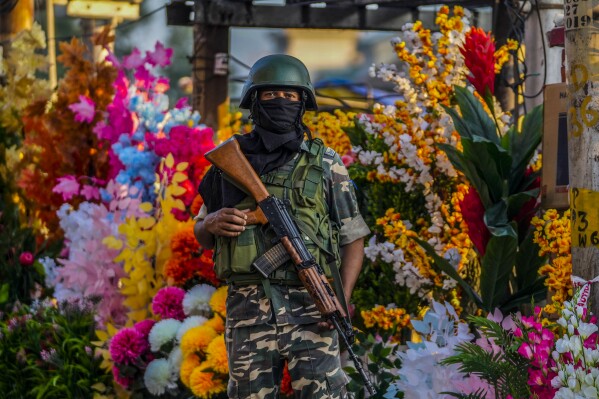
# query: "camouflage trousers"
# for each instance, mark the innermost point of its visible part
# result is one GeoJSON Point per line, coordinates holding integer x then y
{"type": "Point", "coordinates": [257, 356]}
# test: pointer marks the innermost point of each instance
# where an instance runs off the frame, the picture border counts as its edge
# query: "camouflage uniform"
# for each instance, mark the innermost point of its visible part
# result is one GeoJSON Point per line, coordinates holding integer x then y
{"type": "Point", "coordinates": [261, 332]}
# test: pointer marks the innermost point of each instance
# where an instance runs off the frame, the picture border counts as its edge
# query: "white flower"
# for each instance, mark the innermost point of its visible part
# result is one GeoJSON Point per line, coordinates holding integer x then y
{"type": "Point", "coordinates": [159, 376]}
{"type": "Point", "coordinates": [162, 333]}
{"type": "Point", "coordinates": [586, 329]}
{"type": "Point", "coordinates": [197, 300]}
{"type": "Point", "coordinates": [175, 358]}
{"type": "Point", "coordinates": [189, 323]}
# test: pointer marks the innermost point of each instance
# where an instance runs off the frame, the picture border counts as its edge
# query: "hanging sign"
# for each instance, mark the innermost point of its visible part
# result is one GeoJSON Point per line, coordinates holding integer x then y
{"type": "Point", "coordinates": [577, 14]}
{"type": "Point", "coordinates": [585, 217]}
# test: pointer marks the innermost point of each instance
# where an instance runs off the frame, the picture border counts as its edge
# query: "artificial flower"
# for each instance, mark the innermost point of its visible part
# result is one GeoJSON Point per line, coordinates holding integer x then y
{"type": "Point", "coordinates": [216, 355]}
{"type": "Point", "coordinates": [160, 376]}
{"type": "Point", "coordinates": [127, 346]}
{"type": "Point", "coordinates": [26, 258]}
{"type": "Point", "coordinates": [189, 323]}
{"type": "Point", "coordinates": [145, 326]}
{"type": "Point", "coordinates": [168, 303]}
{"type": "Point", "coordinates": [162, 333]}
{"type": "Point", "coordinates": [189, 364]}
{"type": "Point", "coordinates": [197, 300]}
{"type": "Point", "coordinates": [197, 339]}
{"type": "Point", "coordinates": [218, 301]}
{"type": "Point", "coordinates": [204, 384]}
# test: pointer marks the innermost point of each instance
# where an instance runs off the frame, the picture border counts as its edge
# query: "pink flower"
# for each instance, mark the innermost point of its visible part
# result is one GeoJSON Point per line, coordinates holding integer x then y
{"type": "Point", "coordinates": [525, 350]}
{"type": "Point", "coordinates": [84, 110]}
{"type": "Point", "coordinates": [348, 160]}
{"type": "Point", "coordinates": [161, 56]}
{"type": "Point", "coordinates": [26, 259]}
{"type": "Point", "coordinates": [168, 303]}
{"type": "Point", "coordinates": [127, 346]}
{"type": "Point", "coordinates": [67, 186]}
{"type": "Point", "coordinates": [122, 380]}
{"type": "Point", "coordinates": [144, 327]}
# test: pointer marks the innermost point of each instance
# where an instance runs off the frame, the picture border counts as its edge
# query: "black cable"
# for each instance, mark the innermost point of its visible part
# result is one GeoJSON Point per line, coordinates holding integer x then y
{"type": "Point", "coordinates": [237, 60]}
{"type": "Point", "coordinates": [544, 53]}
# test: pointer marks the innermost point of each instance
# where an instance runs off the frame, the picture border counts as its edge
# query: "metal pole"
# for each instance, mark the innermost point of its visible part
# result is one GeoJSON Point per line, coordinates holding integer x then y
{"type": "Point", "coordinates": [210, 67]}
{"type": "Point", "coordinates": [582, 71]}
{"type": "Point", "coordinates": [51, 43]}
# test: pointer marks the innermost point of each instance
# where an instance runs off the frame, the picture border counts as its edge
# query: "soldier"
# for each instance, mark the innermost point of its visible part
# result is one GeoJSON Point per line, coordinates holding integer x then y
{"type": "Point", "coordinates": [270, 320]}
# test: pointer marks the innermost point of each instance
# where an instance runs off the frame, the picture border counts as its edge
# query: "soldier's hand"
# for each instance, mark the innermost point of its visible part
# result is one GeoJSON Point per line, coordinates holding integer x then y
{"type": "Point", "coordinates": [227, 222]}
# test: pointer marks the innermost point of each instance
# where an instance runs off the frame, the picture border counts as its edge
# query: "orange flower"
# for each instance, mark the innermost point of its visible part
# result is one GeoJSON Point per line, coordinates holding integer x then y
{"type": "Point", "coordinates": [190, 362]}
{"type": "Point", "coordinates": [204, 384]}
{"type": "Point", "coordinates": [216, 355]}
{"type": "Point", "coordinates": [197, 339]}
{"type": "Point", "coordinates": [218, 301]}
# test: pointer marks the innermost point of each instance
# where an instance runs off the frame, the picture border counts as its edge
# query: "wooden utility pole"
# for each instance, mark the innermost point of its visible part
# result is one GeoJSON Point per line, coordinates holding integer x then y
{"type": "Point", "coordinates": [210, 67]}
{"type": "Point", "coordinates": [15, 16]}
{"type": "Point", "coordinates": [582, 71]}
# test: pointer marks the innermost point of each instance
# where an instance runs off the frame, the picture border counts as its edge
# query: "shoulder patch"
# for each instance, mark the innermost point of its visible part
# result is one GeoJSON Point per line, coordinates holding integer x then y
{"type": "Point", "coordinates": [330, 152]}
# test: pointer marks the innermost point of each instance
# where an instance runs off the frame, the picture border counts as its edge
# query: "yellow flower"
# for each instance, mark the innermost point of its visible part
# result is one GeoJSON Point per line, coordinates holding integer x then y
{"type": "Point", "coordinates": [189, 364]}
{"type": "Point", "coordinates": [197, 339]}
{"type": "Point", "coordinates": [216, 355]}
{"type": "Point", "coordinates": [217, 323]}
{"type": "Point", "coordinates": [218, 301]}
{"type": "Point", "coordinates": [204, 384]}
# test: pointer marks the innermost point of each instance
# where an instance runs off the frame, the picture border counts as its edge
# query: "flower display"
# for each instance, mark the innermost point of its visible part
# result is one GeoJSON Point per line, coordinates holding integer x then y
{"type": "Point", "coordinates": [128, 346]}
{"type": "Point", "coordinates": [575, 354]}
{"type": "Point", "coordinates": [553, 235]}
{"type": "Point", "coordinates": [168, 303]}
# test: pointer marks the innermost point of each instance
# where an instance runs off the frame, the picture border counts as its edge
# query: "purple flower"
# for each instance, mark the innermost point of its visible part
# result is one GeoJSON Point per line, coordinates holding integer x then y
{"type": "Point", "coordinates": [127, 346]}
{"type": "Point", "coordinates": [168, 303]}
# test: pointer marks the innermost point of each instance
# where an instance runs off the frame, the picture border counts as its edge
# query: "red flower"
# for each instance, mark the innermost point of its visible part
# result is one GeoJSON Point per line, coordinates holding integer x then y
{"type": "Point", "coordinates": [479, 56]}
{"type": "Point", "coordinates": [26, 259]}
{"type": "Point", "coordinates": [473, 213]}
{"type": "Point", "coordinates": [286, 388]}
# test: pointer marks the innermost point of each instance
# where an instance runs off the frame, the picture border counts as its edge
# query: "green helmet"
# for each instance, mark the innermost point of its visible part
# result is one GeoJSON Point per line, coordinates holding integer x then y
{"type": "Point", "coordinates": [278, 70]}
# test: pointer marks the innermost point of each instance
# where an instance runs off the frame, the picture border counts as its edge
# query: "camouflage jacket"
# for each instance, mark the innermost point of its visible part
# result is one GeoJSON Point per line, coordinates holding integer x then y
{"type": "Point", "coordinates": [248, 305]}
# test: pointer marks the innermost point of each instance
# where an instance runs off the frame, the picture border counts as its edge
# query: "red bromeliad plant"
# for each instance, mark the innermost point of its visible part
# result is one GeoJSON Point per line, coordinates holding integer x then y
{"type": "Point", "coordinates": [479, 57]}
{"type": "Point", "coordinates": [503, 193]}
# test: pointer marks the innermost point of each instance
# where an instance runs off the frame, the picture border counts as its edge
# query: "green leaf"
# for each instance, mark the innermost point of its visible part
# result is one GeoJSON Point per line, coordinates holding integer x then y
{"type": "Point", "coordinates": [496, 268]}
{"type": "Point", "coordinates": [516, 201]}
{"type": "Point", "coordinates": [469, 170]}
{"type": "Point", "coordinates": [496, 217]}
{"type": "Point", "coordinates": [460, 125]}
{"type": "Point", "coordinates": [443, 265]}
{"type": "Point", "coordinates": [4, 291]}
{"type": "Point", "coordinates": [528, 261]}
{"type": "Point", "coordinates": [474, 115]}
{"type": "Point", "coordinates": [492, 163]}
{"type": "Point", "coordinates": [535, 292]}
{"type": "Point", "coordinates": [524, 145]}
{"type": "Point", "coordinates": [357, 135]}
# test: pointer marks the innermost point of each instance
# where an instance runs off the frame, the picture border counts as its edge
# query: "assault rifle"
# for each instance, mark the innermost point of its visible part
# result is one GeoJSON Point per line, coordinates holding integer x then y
{"type": "Point", "coordinates": [229, 158]}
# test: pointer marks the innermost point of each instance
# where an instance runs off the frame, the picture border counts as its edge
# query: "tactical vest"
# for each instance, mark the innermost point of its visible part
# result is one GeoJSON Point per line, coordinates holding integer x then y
{"type": "Point", "coordinates": [302, 184]}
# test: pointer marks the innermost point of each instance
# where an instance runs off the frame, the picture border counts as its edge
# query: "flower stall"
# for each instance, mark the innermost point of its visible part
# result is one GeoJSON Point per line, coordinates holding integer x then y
{"type": "Point", "coordinates": [466, 289]}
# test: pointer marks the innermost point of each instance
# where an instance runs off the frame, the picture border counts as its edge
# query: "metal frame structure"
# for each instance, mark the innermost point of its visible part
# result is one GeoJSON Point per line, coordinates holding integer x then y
{"type": "Point", "coordinates": [211, 20]}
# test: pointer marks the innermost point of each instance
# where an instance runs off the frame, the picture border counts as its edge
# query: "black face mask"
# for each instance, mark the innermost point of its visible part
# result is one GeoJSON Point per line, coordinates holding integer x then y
{"type": "Point", "coordinates": [278, 115]}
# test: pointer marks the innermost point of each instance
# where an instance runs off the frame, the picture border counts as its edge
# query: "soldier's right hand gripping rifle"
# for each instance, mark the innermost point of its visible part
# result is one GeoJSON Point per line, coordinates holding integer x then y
{"type": "Point", "coordinates": [229, 158]}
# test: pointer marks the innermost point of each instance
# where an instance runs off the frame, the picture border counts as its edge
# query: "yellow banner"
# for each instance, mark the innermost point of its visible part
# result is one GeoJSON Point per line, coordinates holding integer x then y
{"type": "Point", "coordinates": [584, 205]}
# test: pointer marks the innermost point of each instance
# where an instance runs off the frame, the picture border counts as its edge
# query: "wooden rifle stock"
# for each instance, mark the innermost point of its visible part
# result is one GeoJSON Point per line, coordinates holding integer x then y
{"type": "Point", "coordinates": [229, 158]}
